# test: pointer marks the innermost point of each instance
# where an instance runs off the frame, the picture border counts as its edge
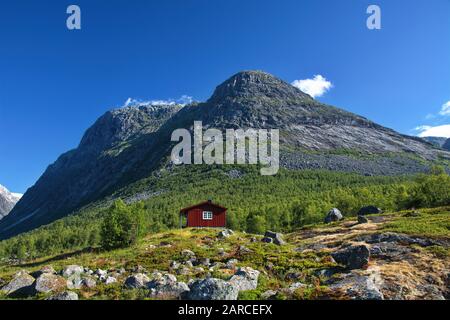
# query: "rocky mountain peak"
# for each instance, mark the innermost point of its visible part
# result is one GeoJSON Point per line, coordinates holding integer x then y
{"type": "Point", "coordinates": [7, 201]}
{"type": "Point", "coordinates": [123, 124]}
{"type": "Point", "coordinates": [254, 84]}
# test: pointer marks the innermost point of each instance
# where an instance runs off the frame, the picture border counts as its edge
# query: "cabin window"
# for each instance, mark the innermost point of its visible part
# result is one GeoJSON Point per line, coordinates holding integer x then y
{"type": "Point", "coordinates": [207, 215]}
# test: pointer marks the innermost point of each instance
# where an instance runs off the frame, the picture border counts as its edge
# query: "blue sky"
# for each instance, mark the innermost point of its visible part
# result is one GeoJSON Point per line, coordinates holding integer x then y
{"type": "Point", "coordinates": [54, 83]}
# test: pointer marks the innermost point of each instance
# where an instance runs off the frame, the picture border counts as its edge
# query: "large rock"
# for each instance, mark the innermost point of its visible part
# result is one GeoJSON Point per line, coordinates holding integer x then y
{"type": "Point", "coordinates": [71, 270]}
{"type": "Point", "coordinates": [137, 281]}
{"type": "Point", "coordinates": [20, 285]}
{"type": "Point", "coordinates": [211, 289]}
{"type": "Point", "coordinates": [333, 215]}
{"type": "Point", "coordinates": [245, 278]}
{"type": "Point", "coordinates": [66, 295]}
{"type": "Point", "coordinates": [44, 269]}
{"type": "Point", "coordinates": [357, 287]}
{"type": "Point", "coordinates": [276, 237]}
{"type": "Point", "coordinates": [369, 210]}
{"type": "Point", "coordinates": [167, 287]}
{"type": "Point", "coordinates": [352, 257]}
{"type": "Point", "coordinates": [74, 281]}
{"type": "Point", "coordinates": [48, 282]}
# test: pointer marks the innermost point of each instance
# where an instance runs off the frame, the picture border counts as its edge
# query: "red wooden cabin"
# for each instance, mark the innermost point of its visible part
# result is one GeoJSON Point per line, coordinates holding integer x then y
{"type": "Point", "coordinates": [205, 215]}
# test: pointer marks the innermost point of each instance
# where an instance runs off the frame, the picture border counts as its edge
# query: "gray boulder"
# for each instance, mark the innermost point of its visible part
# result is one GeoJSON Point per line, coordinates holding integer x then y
{"type": "Point", "coordinates": [245, 278]}
{"type": "Point", "coordinates": [211, 289]}
{"type": "Point", "coordinates": [89, 282]}
{"type": "Point", "coordinates": [66, 295]}
{"type": "Point", "coordinates": [352, 257]}
{"type": "Point", "coordinates": [369, 210]}
{"type": "Point", "coordinates": [20, 285]}
{"type": "Point", "coordinates": [72, 269]}
{"type": "Point", "coordinates": [225, 233]}
{"type": "Point", "coordinates": [74, 282]}
{"type": "Point", "coordinates": [137, 281]}
{"type": "Point", "coordinates": [167, 287]}
{"type": "Point", "coordinates": [357, 287]}
{"type": "Point", "coordinates": [48, 282]}
{"type": "Point", "coordinates": [333, 215]}
{"type": "Point", "coordinates": [276, 237]}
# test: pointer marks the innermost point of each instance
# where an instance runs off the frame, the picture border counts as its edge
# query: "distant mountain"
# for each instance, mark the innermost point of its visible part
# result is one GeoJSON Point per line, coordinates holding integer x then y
{"type": "Point", "coordinates": [129, 144]}
{"type": "Point", "coordinates": [437, 141]}
{"type": "Point", "coordinates": [7, 201]}
{"type": "Point", "coordinates": [446, 145]}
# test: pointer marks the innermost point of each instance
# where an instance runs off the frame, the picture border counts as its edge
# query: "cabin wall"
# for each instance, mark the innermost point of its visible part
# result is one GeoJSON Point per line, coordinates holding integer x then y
{"type": "Point", "coordinates": [195, 217]}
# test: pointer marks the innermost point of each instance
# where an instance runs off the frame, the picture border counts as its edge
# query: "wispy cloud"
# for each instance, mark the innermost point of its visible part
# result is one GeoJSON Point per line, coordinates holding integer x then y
{"type": "Point", "coordinates": [183, 100]}
{"type": "Point", "coordinates": [445, 109]}
{"type": "Point", "coordinates": [315, 87]}
{"type": "Point", "coordinates": [433, 131]}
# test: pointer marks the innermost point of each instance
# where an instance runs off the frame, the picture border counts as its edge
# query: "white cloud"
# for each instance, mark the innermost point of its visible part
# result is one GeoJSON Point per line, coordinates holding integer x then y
{"type": "Point", "coordinates": [434, 131]}
{"type": "Point", "coordinates": [315, 87]}
{"type": "Point", "coordinates": [445, 109]}
{"type": "Point", "coordinates": [183, 100]}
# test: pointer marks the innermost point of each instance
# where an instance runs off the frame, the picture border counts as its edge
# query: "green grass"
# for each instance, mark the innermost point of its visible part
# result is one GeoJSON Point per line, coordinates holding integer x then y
{"type": "Point", "coordinates": [433, 223]}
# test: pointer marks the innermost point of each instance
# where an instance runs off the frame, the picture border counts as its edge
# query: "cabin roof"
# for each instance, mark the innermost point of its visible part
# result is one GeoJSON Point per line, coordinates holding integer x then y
{"type": "Point", "coordinates": [184, 210]}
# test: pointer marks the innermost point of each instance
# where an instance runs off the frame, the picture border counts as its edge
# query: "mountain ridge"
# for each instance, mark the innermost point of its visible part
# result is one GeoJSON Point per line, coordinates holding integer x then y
{"type": "Point", "coordinates": [128, 144]}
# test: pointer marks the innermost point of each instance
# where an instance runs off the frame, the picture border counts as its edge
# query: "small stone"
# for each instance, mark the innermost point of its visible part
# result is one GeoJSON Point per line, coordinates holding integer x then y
{"type": "Point", "coordinates": [268, 294]}
{"type": "Point", "coordinates": [66, 295]}
{"type": "Point", "coordinates": [267, 240]}
{"type": "Point", "coordinates": [231, 264]}
{"type": "Point", "coordinates": [110, 280]}
{"type": "Point", "coordinates": [362, 219]}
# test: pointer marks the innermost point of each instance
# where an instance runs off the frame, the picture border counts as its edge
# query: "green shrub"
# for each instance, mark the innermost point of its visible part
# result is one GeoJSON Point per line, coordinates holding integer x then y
{"type": "Point", "coordinates": [121, 226]}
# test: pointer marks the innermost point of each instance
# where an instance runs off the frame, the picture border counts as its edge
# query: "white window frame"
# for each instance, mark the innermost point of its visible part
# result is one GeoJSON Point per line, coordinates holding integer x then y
{"type": "Point", "coordinates": [207, 215]}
